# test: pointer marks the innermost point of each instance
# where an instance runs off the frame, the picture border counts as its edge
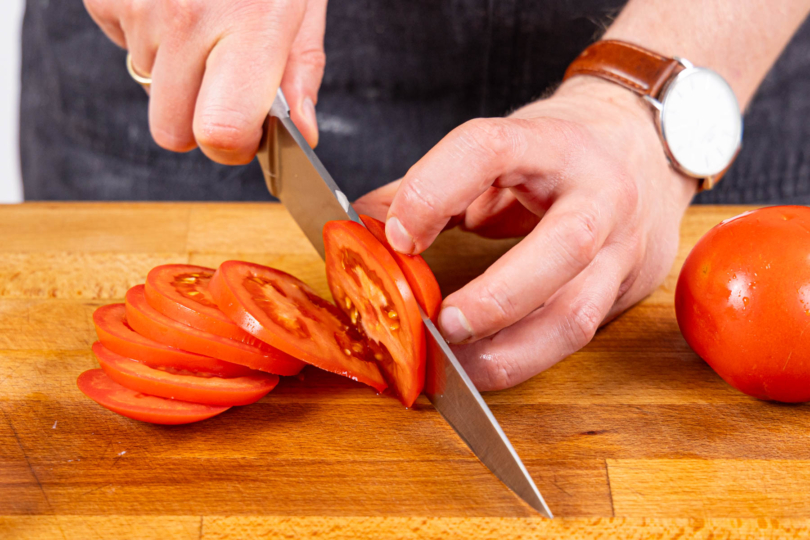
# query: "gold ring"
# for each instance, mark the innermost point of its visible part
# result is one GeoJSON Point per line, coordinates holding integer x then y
{"type": "Point", "coordinates": [140, 79]}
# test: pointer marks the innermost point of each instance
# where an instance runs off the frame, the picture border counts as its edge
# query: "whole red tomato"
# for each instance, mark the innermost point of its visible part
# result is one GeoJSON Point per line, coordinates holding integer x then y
{"type": "Point", "coordinates": [743, 302]}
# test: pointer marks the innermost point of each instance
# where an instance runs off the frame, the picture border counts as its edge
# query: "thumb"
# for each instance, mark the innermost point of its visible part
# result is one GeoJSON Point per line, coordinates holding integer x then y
{"type": "Point", "coordinates": [304, 71]}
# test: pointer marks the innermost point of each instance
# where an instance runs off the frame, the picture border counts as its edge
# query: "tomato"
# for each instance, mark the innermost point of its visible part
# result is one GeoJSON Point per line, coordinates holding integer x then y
{"type": "Point", "coordinates": [114, 332]}
{"type": "Point", "coordinates": [743, 302]}
{"type": "Point", "coordinates": [148, 322]}
{"type": "Point", "coordinates": [180, 291]}
{"type": "Point", "coordinates": [184, 385]}
{"type": "Point", "coordinates": [285, 312]}
{"type": "Point", "coordinates": [157, 410]}
{"type": "Point", "coordinates": [419, 275]}
{"type": "Point", "coordinates": [369, 286]}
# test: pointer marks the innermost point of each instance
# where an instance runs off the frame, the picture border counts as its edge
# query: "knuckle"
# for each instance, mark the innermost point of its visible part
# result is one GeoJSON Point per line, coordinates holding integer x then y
{"type": "Point", "coordinates": [263, 13]}
{"type": "Point", "coordinates": [184, 13]}
{"type": "Point", "coordinates": [497, 377]}
{"type": "Point", "coordinates": [314, 58]}
{"type": "Point", "coordinates": [582, 323]}
{"type": "Point", "coordinates": [492, 136]}
{"type": "Point", "coordinates": [500, 372]}
{"type": "Point", "coordinates": [579, 238]}
{"type": "Point", "coordinates": [224, 130]}
{"type": "Point", "coordinates": [496, 300]}
{"type": "Point", "coordinates": [136, 10]}
{"type": "Point", "coordinates": [415, 191]}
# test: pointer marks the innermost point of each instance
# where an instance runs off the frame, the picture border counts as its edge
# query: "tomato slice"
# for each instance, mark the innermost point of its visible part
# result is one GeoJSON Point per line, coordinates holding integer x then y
{"type": "Point", "coordinates": [425, 288]}
{"type": "Point", "coordinates": [367, 283]}
{"type": "Point", "coordinates": [148, 322]}
{"type": "Point", "coordinates": [417, 272]}
{"type": "Point", "coordinates": [184, 385]}
{"type": "Point", "coordinates": [96, 385]}
{"type": "Point", "coordinates": [114, 332]}
{"type": "Point", "coordinates": [285, 312]}
{"type": "Point", "coordinates": [180, 291]}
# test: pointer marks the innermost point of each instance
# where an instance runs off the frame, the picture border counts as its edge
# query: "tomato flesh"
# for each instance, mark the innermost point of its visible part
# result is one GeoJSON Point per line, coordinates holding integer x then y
{"type": "Point", "coordinates": [96, 385]}
{"type": "Point", "coordinates": [148, 322]}
{"type": "Point", "coordinates": [184, 385]}
{"type": "Point", "coordinates": [180, 291]}
{"type": "Point", "coordinates": [743, 302]}
{"type": "Point", "coordinates": [114, 332]}
{"type": "Point", "coordinates": [427, 292]}
{"type": "Point", "coordinates": [417, 272]}
{"type": "Point", "coordinates": [367, 283]}
{"type": "Point", "coordinates": [285, 312]}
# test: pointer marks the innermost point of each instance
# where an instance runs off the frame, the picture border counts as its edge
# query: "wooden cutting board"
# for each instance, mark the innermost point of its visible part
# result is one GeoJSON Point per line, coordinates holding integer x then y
{"type": "Point", "coordinates": [632, 437]}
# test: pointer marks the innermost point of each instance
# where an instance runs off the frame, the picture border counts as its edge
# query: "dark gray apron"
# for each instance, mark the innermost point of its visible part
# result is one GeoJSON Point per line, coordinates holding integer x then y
{"type": "Point", "coordinates": [400, 74]}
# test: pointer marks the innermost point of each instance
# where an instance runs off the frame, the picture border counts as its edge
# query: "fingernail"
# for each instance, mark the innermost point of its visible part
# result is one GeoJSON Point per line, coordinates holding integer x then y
{"type": "Point", "coordinates": [399, 238]}
{"type": "Point", "coordinates": [309, 113]}
{"type": "Point", "coordinates": [454, 325]}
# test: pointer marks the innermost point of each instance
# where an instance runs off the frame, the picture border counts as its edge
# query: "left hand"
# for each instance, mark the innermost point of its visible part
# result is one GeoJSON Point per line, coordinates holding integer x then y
{"type": "Point", "coordinates": [584, 177]}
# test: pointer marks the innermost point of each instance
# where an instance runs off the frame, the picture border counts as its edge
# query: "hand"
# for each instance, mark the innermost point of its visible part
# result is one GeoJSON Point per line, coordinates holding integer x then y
{"type": "Point", "coordinates": [216, 64]}
{"type": "Point", "coordinates": [584, 177]}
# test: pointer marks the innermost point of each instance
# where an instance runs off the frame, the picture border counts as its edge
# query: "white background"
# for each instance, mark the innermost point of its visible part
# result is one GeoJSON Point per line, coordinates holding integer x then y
{"type": "Point", "coordinates": [10, 21]}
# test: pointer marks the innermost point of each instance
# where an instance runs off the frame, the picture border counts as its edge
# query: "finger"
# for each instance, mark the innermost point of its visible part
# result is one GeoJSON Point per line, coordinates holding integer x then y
{"type": "Point", "coordinates": [105, 14]}
{"type": "Point", "coordinates": [304, 72]}
{"type": "Point", "coordinates": [176, 79]}
{"type": "Point", "coordinates": [567, 323]}
{"type": "Point", "coordinates": [376, 203]}
{"type": "Point", "coordinates": [562, 245]}
{"type": "Point", "coordinates": [478, 154]}
{"type": "Point", "coordinates": [142, 24]}
{"type": "Point", "coordinates": [499, 214]}
{"type": "Point", "coordinates": [242, 73]}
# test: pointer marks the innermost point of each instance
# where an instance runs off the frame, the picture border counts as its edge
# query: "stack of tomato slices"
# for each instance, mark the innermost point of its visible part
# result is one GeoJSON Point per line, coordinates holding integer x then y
{"type": "Point", "coordinates": [193, 341]}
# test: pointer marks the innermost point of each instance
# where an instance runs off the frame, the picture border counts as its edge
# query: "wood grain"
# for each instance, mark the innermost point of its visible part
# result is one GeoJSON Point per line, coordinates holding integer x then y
{"type": "Point", "coordinates": [101, 527]}
{"type": "Point", "coordinates": [632, 437]}
{"type": "Point", "coordinates": [704, 488]}
{"type": "Point", "coordinates": [389, 528]}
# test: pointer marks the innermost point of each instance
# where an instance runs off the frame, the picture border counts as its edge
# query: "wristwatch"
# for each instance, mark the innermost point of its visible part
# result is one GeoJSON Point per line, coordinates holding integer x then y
{"type": "Point", "coordinates": [696, 113]}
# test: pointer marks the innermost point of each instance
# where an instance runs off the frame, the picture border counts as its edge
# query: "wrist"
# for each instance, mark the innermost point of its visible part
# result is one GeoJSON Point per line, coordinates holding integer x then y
{"type": "Point", "coordinates": [602, 92]}
{"type": "Point", "coordinates": [628, 117]}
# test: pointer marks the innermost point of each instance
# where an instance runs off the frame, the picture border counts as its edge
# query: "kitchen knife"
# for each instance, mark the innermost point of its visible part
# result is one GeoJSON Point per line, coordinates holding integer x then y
{"type": "Point", "coordinates": [296, 176]}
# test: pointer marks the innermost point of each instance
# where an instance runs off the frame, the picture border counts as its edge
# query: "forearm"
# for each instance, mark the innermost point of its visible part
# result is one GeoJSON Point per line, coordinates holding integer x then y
{"type": "Point", "coordinates": [740, 39]}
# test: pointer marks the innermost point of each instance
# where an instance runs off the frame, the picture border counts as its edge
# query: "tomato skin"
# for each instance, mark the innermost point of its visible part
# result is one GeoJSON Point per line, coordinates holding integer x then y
{"type": "Point", "coordinates": [148, 322]}
{"type": "Point", "coordinates": [186, 386]}
{"type": "Point", "coordinates": [180, 291]}
{"type": "Point", "coordinates": [96, 385]}
{"type": "Point", "coordinates": [420, 277]}
{"type": "Point", "coordinates": [229, 289]}
{"type": "Point", "coordinates": [117, 336]}
{"type": "Point", "coordinates": [743, 302]}
{"type": "Point", "coordinates": [405, 369]}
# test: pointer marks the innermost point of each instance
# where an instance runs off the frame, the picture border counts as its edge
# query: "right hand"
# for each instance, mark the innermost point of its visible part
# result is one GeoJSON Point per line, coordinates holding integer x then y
{"type": "Point", "coordinates": [216, 65]}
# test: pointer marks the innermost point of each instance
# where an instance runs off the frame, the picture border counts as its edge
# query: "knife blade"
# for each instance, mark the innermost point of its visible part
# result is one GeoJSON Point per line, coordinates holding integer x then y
{"type": "Point", "coordinates": [294, 174]}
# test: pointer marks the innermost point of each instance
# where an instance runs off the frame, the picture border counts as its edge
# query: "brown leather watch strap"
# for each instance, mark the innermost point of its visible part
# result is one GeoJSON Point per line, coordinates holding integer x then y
{"type": "Point", "coordinates": [637, 69]}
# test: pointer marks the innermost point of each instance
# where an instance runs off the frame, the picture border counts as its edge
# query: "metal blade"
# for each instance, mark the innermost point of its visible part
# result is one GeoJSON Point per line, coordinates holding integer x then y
{"type": "Point", "coordinates": [296, 176]}
{"type": "Point", "coordinates": [453, 394]}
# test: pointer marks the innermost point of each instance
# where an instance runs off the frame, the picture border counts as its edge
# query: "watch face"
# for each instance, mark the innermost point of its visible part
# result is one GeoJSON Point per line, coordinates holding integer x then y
{"type": "Point", "coordinates": [701, 122]}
